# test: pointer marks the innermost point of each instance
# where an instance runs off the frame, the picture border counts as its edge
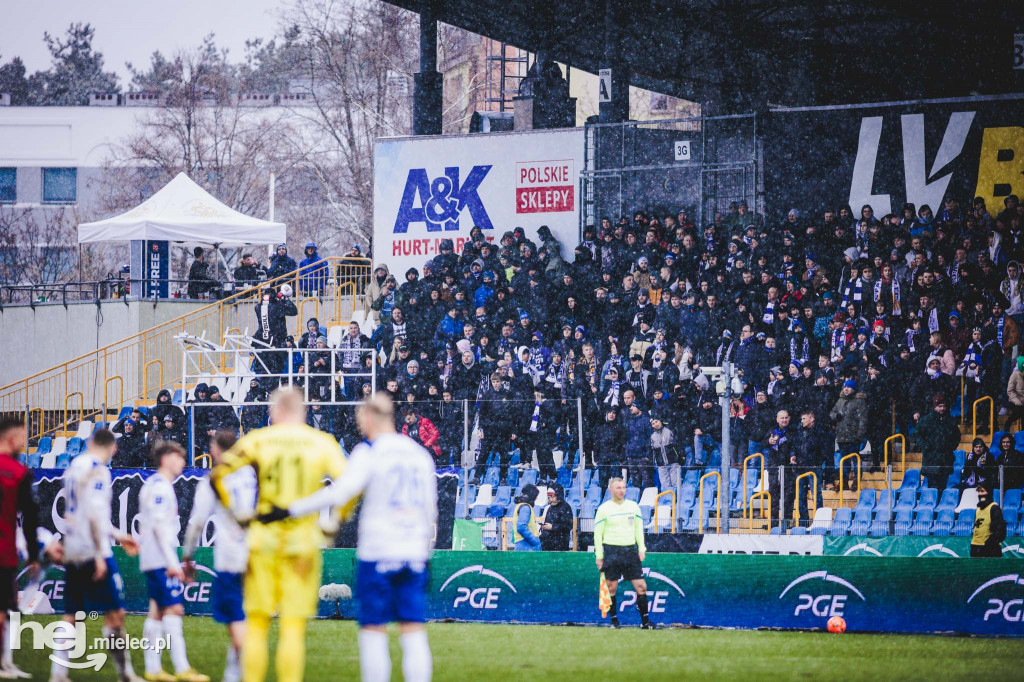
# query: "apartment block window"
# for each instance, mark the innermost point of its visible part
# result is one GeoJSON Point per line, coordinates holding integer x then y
{"type": "Point", "coordinates": [60, 185]}
{"type": "Point", "coordinates": [8, 185]}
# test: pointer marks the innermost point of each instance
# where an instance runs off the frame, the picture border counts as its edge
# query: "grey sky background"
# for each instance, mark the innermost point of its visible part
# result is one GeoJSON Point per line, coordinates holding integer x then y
{"type": "Point", "coordinates": [129, 30]}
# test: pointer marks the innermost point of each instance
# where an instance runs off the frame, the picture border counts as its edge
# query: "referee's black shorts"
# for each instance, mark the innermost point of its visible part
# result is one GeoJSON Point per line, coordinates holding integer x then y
{"type": "Point", "coordinates": [622, 561]}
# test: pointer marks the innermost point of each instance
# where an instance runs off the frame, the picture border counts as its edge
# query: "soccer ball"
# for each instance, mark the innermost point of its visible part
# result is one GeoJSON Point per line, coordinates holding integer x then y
{"type": "Point", "coordinates": [836, 624]}
{"type": "Point", "coordinates": [286, 290]}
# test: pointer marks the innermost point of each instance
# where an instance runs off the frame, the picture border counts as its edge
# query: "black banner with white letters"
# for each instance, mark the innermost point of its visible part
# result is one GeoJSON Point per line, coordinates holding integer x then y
{"type": "Point", "coordinates": [886, 155]}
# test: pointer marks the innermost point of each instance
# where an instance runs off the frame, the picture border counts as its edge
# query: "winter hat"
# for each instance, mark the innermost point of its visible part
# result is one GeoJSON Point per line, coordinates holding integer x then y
{"type": "Point", "coordinates": [838, 317]}
{"type": "Point", "coordinates": [864, 331]}
{"type": "Point", "coordinates": [726, 334]}
{"type": "Point", "coordinates": [479, 262]}
{"type": "Point", "coordinates": [850, 383]}
{"type": "Point", "coordinates": [321, 339]}
{"type": "Point", "coordinates": [878, 324]}
{"type": "Point", "coordinates": [939, 399]}
{"type": "Point", "coordinates": [1020, 363]}
{"type": "Point", "coordinates": [524, 314]}
{"type": "Point", "coordinates": [581, 329]}
{"type": "Point", "coordinates": [463, 345]}
{"type": "Point", "coordinates": [642, 260]}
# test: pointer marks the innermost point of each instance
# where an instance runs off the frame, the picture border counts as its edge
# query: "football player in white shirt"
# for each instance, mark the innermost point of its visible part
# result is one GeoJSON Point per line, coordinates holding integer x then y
{"type": "Point", "coordinates": [397, 479]}
{"type": "Point", "coordinates": [92, 582]}
{"type": "Point", "coordinates": [230, 552]}
{"type": "Point", "coordinates": [158, 561]}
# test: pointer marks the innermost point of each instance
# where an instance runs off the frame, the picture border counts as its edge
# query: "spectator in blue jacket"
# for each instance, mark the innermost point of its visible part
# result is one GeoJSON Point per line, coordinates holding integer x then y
{"type": "Point", "coordinates": [314, 278]}
{"type": "Point", "coordinates": [485, 292]}
{"type": "Point", "coordinates": [526, 536]}
{"type": "Point", "coordinates": [280, 263]}
{"type": "Point", "coordinates": [638, 437]}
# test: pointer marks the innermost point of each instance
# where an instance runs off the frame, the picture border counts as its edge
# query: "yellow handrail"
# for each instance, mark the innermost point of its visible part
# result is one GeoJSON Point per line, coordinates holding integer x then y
{"type": "Point", "coordinates": [81, 407]}
{"type": "Point", "coordinates": [130, 357]}
{"type": "Point", "coordinates": [991, 418]}
{"type": "Point", "coordinates": [718, 505]}
{"type": "Point", "coordinates": [300, 319]}
{"type": "Point", "coordinates": [203, 458]}
{"type": "Point", "coordinates": [903, 452]}
{"type": "Point", "coordinates": [106, 384]}
{"type": "Point", "coordinates": [761, 495]}
{"type": "Point", "coordinates": [657, 528]}
{"type": "Point", "coordinates": [814, 493]}
{"type": "Point", "coordinates": [842, 479]}
{"type": "Point", "coordinates": [42, 415]}
{"type": "Point", "coordinates": [145, 375]}
{"type": "Point", "coordinates": [745, 460]}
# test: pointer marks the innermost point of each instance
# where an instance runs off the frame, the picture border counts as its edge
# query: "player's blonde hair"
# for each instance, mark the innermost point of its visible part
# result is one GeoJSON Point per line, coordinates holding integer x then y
{"type": "Point", "coordinates": [287, 402]}
{"type": "Point", "coordinates": [379, 407]}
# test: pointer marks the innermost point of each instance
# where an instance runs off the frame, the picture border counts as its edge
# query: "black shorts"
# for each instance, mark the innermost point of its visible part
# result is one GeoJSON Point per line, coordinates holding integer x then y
{"type": "Point", "coordinates": [8, 589]}
{"type": "Point", "coordinates": [622, 562]}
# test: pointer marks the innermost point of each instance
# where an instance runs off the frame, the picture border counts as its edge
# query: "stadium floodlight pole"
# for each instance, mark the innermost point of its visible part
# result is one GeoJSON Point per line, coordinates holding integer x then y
{"type": "Point", "coordinates": [723, 482]}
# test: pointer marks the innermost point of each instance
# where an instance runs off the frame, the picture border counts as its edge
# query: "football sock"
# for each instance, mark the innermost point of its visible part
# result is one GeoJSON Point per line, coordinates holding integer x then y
{"type": "Point", "coordinates": [232, 670]}
{"type": "Point", "coordinates": [417, 664]}
{"type": "Point", "coordinates": [152, 630]}
{"type": "Point", "coordinates": [291, 649]}
{"type": "Point", "coordinates": [254, 651]}
{"type": "Point", "coordinates": [374, 657]}
{"type": "Point", "coordinates": [57, 671]}
{"type": "Point", "coordinates": [118, 651]}
{"type": "Point", "coordinates": [641, 606]}
{"type": "Point", "coordinates": [615, 606]}
{"type": "Point", "coordinates": [173, 628]}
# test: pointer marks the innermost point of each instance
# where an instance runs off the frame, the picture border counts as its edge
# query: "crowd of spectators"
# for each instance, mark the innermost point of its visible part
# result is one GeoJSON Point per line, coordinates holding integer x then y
{"type": "Point", "coordinates": [842, 327]}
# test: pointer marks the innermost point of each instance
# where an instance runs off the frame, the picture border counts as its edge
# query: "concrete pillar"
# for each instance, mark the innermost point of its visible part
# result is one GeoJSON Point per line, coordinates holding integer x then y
{"type": "Point", "coordinates": [428, 83]}
{"type": "Point", "coordinates": [617, 110]}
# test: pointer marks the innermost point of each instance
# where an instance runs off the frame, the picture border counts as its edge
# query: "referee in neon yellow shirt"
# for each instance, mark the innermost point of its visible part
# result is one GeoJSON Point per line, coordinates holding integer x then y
{"type": "Point", "coordinates": [619, 548]}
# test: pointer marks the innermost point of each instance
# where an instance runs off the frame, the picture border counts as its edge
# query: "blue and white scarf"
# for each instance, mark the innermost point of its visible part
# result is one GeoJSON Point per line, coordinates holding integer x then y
{"type": "Point", "coordinates": [535, 419]}
{"type": "Point", "coordinates": [933, 319]}
{"type": "Point", "coordinates": [895, 286]}
{"type": "Point", "coordinates": [973, 354]}
{"type": "Point", "coordinates": [801, 352]}
{"type": "Point", "coordinates": [1000, 328]}
{"type": "Point", "coordinates": [769, 313]}
{"type": "Point", "coordinates": [853, 293]}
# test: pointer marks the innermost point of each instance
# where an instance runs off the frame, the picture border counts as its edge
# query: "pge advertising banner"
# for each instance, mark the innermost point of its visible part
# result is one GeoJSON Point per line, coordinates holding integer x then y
{"type": "Point", "coordinates": [885, 155]}
{"type": "Point", "coordinates": [431, 188]}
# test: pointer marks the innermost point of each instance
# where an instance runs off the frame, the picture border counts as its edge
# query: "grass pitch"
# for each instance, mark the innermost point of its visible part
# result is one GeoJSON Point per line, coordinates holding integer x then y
{"type": "Point", "coordinates": [524, 652]}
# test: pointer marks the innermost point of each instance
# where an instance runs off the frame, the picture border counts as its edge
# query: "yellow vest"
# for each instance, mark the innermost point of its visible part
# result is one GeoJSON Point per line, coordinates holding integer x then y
{"type": "Point", "coordinates": [532, 525]}
{"type": "Point", "coordinates": [982, 525]}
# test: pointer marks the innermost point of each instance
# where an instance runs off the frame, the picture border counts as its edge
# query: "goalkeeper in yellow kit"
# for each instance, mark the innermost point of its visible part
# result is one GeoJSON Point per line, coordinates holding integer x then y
{"type": "Point", "coordinates": [291, 461]}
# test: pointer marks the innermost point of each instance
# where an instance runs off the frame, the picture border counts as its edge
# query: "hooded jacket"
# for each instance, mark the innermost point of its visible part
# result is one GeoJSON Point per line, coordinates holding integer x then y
{"type": "Point", "coordinates": [162, 409]}
{"type": "Point", "coordinates": [314, 272]}
{"type": "Point", "coordinates": [280, 265]}
{"type": "Point", "coordinates": [560, 515]}
{"type": "Point", "coordinates": [374, 289]}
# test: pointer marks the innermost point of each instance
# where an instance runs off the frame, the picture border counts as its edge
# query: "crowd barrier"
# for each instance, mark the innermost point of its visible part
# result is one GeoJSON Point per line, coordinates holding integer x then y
{"type": "Point", "coordinates": [897, 594]}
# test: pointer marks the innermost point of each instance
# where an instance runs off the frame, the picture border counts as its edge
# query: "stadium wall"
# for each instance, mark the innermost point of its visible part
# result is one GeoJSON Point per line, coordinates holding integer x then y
{"type": "Point", "coordinates": [928, 595]}
{"type": "Point", "coordinates": [44, 335]}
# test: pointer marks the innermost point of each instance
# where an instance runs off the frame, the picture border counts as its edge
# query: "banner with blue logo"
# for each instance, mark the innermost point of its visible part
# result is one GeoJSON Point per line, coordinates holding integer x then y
{"type": "Point", "coordinates": [157, 265]}
{"type": "Point", "coordinates": [427, 189]}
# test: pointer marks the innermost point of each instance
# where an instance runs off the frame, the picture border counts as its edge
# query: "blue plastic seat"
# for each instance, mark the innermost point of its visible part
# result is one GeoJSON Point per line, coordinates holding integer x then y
{"type": "Point", "coordinates": [100, 425]}
{"type": "Point", "coordinates": [911, 480]}
{"type": "Point", "coordinates": [63, 460]}
{"type": "Point", "coordinates": [1011, 518]}
{"type": "Point", "coordinates": [577, 507]}
{"type": "Point", "coordinates": [178, 398]}
{"type": "Point", "coordinates": [964, 523]}
{"type": "Point", "coordinates": [34, 460]}
{"type": "Point", "coordinates": [75, 446]}
{"type": "Point", "coordinates": [530, 476]}
{"type": "Point", "coordinates": [565, 478]}
{"type": "Point", "coordinates": [948, 501]}
{"type": "Point", "coordinates": [954, 479]}
{"type": "Point", "coordinates": [589, 509]}
{"type": "Point", "coordinates": [1018, 441]}
{"type": "Point", "coordinates": [734, 477]}
{"type": "Point", "coordinates": [1013, 499]}
{"type": "Point", "coordinates": [841, 521]}
{"type": "Point", "coordinates": [491, 476]}
{"type": "Point", "coordinates": [633, 494]}
{"type": "Point", "coordinates": [861, 521]}
{"type": "Point", "coordinates": [798, 530]}
{"type": "Point", "coordinates": [692, 477]}
{"type": "Point", "coordinates": [503, 495]}
{"type": "Point", "coordinates": [818, 530]}
{"type": "Point", "coordinates": [45, 443]}
{"type": "Point", "coordinates": [929, 498]}
{"type": "Point", "coordinates": [593, 494]}
{"type": "Point", "coordinates": [513, 477]}
{"type": "Point", "coordinates": [125, 412]}
{"type": "Point", "coordinates": [777, 530]}
{"type": "Point", "coordinates": [998, 436]}
{"type": "Point", "coordinates": [460, 509]}
{"type": "Point", "coordinates": [866, 500]}
{"type": "Point", "coordinates": [922, 522]}
{"type": "Point", "coordinates": [904, 520]}
{"type": "Point", "coordinates": [959, 457]}
{"type": "Point", "coordinates": [648, 514]}
{"type": "Point", "coordinates": [907, 500]}
{"type": "Point", "coordinates": [687, 497]}
{"type": "Point", "coordinates": [943, 525]}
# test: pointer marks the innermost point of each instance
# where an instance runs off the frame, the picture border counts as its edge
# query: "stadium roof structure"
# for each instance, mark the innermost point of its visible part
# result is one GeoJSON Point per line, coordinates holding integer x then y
{"type": "Point", "coordinates": [750, 53]}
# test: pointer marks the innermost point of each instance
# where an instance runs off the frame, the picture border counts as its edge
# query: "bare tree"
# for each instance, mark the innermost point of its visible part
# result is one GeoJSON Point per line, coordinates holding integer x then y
{"type": "Point", "coordinates": [356, 65]}
{"type": "Point", "coordinates": [37, 245]}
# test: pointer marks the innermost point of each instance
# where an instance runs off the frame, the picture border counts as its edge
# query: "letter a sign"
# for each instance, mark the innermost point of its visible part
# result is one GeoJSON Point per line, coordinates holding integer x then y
{"type": "Point", "coordinates": [604, 93]}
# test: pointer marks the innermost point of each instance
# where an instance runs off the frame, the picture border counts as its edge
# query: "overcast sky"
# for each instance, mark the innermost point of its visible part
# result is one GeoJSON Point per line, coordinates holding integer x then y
{"type": "Point", "coordinates": [129, 30]}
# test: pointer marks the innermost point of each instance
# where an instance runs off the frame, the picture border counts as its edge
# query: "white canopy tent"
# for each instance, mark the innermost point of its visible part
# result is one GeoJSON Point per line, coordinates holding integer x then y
{"type": "Point", "coordinates": [182, 211]}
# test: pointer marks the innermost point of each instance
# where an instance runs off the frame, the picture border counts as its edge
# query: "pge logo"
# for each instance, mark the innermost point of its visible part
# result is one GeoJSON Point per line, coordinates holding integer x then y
{"type": "Point", "coordinates": [197, 592]}
{"type": "Point", "coordinates": [442, 200]}
{"type": "Point", "coordinates": [1010, 610]}
{"type": "Point", "coordinates": [657, 600]}
{"type": "Point", "coordinates": [478, 597]}
{"type": "Point", "coordinates": [822, 605]}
